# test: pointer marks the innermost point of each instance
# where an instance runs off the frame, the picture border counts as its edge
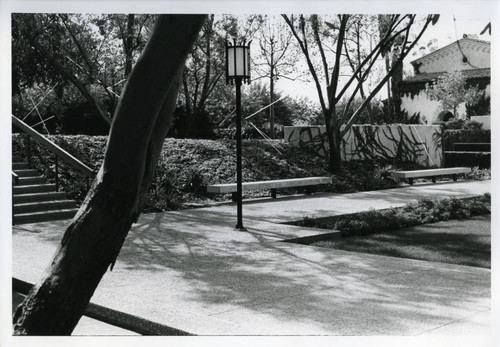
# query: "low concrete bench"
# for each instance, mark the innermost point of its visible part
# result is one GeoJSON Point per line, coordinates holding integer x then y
{"type": "Point", "coordinates": [272, 185]}
{"type": "Point", "coordinates": [410, 175]}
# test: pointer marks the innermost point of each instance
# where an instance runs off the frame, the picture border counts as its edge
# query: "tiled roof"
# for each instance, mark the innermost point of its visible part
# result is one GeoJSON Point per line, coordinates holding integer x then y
{"type": "Point", "coordinates": [468, 74]}
{"type": "Point", "coordinates": [416, 61]}
{"type": "Point", "coordinates": [478, 40]}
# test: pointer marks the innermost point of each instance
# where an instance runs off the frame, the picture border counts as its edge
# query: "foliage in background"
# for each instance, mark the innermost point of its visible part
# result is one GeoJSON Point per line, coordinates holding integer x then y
{"type": "Point", "coordinates": [451, 89]}
{"type": "Point", "coordinates": [452, 136]}
{"type": "Point", "coordinates": [287, 111]}
{"type": "Point", "coordinates": [78, 63]}
{"type": "Point", "coordinates": [458, 124]}
{"type": "Point", "coordinates": [187, 166]}
{"type": "Point", "coordinates": [277, 58]}
{"type": "Point", "coordinates": [468, 159]}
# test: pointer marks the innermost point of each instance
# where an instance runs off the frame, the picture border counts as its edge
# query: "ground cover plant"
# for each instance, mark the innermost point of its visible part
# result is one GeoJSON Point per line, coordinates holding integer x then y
{"type": "Point", "coordinates": [417, 231]}
{"type": "Point", "coordinates": [423, 211]}
{"type": "Point", "coordinates": [186, 166]}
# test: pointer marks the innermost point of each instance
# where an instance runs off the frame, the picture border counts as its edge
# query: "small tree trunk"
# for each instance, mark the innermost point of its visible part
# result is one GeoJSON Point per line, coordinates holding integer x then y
{"type": "Point", "coordinates": [334, 142]}
{"type": "Point", "coordinates": [94, 238]}
{"type": "Point", "coordinates": [396, 79]}
{"type": "Point", "coordinates": [271, 94]}
{"type": "Point", "coordinates": [389, 103]}
{"type": "Point", "coordinates": [335, 160]}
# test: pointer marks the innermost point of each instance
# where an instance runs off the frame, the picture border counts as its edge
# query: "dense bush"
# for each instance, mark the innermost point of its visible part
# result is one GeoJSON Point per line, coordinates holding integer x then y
{"type": "Point", "coordinates": [185, 166]}
{"type": "Point", "coordinates": [465, 136]}
{"type": "Point", "coordinates": [479, 174]}
{"type": "Point", "coordinates": [461, 124]}
{"type": "Point", "coordinates": [421, 212]}
{"type": "Point", "coordinates": [467, 159]}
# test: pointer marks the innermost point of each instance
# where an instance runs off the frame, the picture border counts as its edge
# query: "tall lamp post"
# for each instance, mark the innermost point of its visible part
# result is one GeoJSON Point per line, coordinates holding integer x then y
{"type": "Point", "coordinates": [238, 71]}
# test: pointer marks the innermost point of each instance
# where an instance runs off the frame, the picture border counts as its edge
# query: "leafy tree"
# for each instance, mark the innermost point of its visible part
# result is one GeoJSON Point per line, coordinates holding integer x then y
{"type": "Point", "coordinates": [327, 37]}
{"type": "Point", "coordinates": [92, 241]}
{"type": "Point", "coordinates": [257, 98]}
{"type": "Point", "coordinates": [88, 54]}
{"type": "Point", "coordinates": [451, 89]}
{"type": "Point", "coordinates": [64, 43]}
{"type": "Point", "coordinates": [360, 37]}
{"type": "Point", "coordinates": [125, 34]}
{"type": "Point", "coordinates": [277, 58]}
{"type": "Point", "coordinates": [205, 68]}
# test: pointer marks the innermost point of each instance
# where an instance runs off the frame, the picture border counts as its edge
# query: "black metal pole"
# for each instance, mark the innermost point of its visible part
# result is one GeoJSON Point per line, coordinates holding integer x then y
{"type": "Point", "coordinates": [239, 189]}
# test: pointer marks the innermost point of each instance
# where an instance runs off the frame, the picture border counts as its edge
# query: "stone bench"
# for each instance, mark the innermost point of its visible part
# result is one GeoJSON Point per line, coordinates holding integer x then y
{"type": "Point", "coordinates": [272, 185]}
{"type": "Point", "coordinates": [410, 175]}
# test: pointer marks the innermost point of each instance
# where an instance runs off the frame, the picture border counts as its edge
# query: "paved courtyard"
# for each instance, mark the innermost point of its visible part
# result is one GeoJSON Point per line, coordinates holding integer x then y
{"type": "Point", "coordinates": [190, 270]}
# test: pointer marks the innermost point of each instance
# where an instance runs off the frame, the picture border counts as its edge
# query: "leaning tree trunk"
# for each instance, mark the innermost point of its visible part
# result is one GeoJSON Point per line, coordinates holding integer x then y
{"type": "Point", "coordinates": [94, 238]}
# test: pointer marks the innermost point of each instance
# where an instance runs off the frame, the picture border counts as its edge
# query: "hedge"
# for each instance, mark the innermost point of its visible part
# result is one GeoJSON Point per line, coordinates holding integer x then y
{"type": "Point", "coordinates": [465, 136]}
{"type": "Point", "coordinates": [467, 159]}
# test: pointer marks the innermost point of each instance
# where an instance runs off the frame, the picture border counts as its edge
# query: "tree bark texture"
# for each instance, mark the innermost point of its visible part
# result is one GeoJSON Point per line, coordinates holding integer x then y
{"type": "Point", "coordinates": [334, 143]}
{"type": "Point", "coordinates": [93, 240]}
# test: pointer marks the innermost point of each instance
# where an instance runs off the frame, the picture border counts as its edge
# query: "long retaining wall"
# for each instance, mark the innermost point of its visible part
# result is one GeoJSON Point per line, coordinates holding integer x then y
{"type": "Point", "coordinates": [421, 144]}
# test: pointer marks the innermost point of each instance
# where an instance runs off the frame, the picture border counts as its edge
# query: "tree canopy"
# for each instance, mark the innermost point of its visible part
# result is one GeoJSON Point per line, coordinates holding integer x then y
{"type": "Point", "coordinates": [451, 90]}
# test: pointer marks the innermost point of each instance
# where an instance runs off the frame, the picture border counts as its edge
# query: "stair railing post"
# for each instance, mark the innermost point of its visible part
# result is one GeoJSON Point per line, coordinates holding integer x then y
{"type": "Point", "coordinates": [28, 150]}
{"type": "Point", "coordinates": [13, 222]}
{"type": "Point", "coordinates": [57, 173]}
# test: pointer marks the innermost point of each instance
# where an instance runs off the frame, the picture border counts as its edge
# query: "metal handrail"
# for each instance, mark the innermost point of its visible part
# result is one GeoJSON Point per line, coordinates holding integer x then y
{"type": "Point", "coordinates": [15, 178]}
{"type": "Point", "coordinates": [51, 146]}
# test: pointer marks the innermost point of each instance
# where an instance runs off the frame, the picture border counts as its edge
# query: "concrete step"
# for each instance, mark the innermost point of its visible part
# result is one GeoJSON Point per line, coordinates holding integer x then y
{"type": "Point", "coordinates": [34, 197]}
{"type": "Point", "coordinates": [28, 181]}
{"type": "Point", "coordinates": [25, 218]}
{"type": "Point", "coordinates": [27, 173]}
{"type": "Point", "coordinates": [39, 206]}
{"type": "Point", "coordinates": [19, 166]}
{"type": "Point", "coordinates": [36, 188]}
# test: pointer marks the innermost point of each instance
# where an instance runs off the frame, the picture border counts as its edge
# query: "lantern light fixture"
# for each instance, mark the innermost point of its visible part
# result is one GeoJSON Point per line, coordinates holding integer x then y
{"type": "Point", "coordinates": [237, 62]}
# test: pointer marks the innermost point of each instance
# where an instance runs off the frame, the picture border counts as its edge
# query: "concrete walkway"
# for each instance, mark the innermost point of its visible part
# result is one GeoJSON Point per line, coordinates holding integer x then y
{"type": "Point", "coordinates": [190, 270]}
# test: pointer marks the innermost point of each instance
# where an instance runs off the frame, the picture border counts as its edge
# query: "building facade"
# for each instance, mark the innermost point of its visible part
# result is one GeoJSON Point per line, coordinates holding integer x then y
{"type": "Point", "coordinates": [469, 55]}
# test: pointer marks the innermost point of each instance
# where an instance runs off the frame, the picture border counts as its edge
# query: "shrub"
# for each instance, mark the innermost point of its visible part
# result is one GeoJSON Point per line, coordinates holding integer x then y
{"type": "Point", "coordinates": [468, 159]}
{"type": "Point", "coordinates": [164, 197]}
{"type": "Point", "coordinates": [353, 227]}
{"type": "Point", "coordinates": [465, 136]}
{"type": "Point", "coordinates": [194, 182]}
{"type": "Point", "coordinates": [417, 213]}
{"type": "Point", "coordinates": [459, 124]}
{"type": "Point", "coordinates": [479, 174]}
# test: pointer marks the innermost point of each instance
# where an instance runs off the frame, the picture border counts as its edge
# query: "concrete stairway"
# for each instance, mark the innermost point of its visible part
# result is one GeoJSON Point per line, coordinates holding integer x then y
{"type": "Point", "coordinates": [36, 200]}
